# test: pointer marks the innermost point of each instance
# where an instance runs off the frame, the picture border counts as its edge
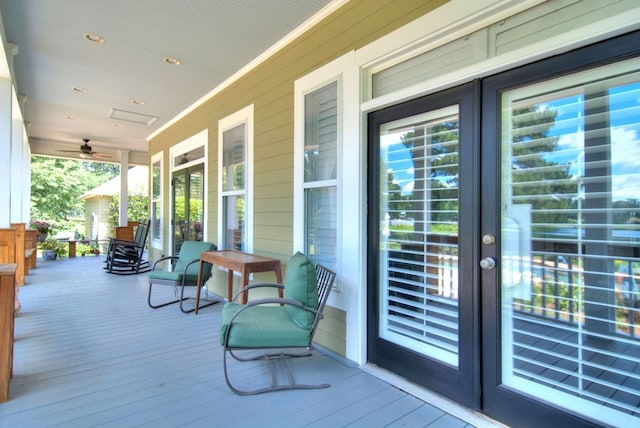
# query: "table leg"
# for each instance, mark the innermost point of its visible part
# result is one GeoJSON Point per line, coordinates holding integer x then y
{"type": "Point", "coordinates": [198, 287]}
{"type": "Point", "coordinates": [229, 284]}
{"type": "Point", "coordinates": [72, 249]}
{"type": "Point", "coordinates": [243, 283]}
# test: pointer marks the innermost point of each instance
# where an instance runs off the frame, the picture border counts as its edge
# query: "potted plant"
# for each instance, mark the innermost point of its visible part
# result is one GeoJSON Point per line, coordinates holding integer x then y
{"type": "Point", "coordinates": [43, 229]}
{"type": "Point", "coordinates": [52, 248]}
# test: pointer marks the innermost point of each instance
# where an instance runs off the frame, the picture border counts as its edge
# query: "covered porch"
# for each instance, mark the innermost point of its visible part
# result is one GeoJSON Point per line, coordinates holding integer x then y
{"type": "Point", "coordinates": [90, 352]}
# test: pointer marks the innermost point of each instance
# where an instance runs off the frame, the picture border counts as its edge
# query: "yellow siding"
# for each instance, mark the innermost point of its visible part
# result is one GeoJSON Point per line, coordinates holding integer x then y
{"type": "Point", "coordinates": [332, 331]}
{"type": "Point", "coordinates": [270, 88]}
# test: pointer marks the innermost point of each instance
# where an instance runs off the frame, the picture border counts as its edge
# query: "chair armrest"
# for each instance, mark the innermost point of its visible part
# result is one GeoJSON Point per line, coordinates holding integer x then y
{"type": "Point", "coordinates": [257, 285]}
{"type": "Point", "coordinates": [186, 266]}
{"type": "Point", "coordinates": [162, 259]}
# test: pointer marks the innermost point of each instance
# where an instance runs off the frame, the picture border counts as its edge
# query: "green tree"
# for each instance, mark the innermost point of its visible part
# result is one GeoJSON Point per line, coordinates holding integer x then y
{"type": "Point", "coordinates": [57, 184]}
{"type": "Point", "coordinates": [537, 179]}
{"type": "Point", "coordinates": [439, 158]}
{"type": "Point", "coordinates": [137, 209]}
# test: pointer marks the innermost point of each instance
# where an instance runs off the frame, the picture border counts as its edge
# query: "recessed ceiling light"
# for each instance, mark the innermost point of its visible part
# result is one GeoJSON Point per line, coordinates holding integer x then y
{"type": "Point", "coordinates": [70, 116]}
{"type": "Point", "coordinates": [118, 125]}
{"type": "Point", "coordinates": [137, 101]}
{"type": "Point", "coordinates": [172, 61]}
{"type": "Point", "coordinates": [93, 37]}
{"type": "Point", "coordinates": [79, 89]}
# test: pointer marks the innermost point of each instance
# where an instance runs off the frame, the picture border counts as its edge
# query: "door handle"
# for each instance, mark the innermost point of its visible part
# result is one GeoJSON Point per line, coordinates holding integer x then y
{"type": "Point", "coordinates": [488, 263]}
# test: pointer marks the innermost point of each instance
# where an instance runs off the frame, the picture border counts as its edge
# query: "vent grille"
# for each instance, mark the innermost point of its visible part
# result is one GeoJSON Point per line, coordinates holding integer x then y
{"type": "Point", "coordinates": [130, 116]}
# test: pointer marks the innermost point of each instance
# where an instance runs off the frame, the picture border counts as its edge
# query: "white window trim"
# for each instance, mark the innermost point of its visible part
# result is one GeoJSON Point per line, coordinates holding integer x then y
{"type": "Point", "coordinates": [242, 116]}
{"type": "Point", "coordinates": [157, 241]}
{"type": "Point", "coordinates": [201, 139]}
{"type": "Point", "coordinates": [349, 295]}
{"type": "Point", "coordinates": [457, 19]}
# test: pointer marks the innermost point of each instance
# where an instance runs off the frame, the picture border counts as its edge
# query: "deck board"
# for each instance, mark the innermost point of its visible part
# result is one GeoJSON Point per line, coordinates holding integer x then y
{"type": "Point", "coordinates": [89, 352]}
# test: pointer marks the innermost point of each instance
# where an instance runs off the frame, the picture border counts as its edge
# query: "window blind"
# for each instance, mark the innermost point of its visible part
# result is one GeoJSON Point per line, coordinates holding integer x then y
{"type": "Point", "coordinates": [571, 156]}
{"type": "Point", "coordinates": [419, 233]}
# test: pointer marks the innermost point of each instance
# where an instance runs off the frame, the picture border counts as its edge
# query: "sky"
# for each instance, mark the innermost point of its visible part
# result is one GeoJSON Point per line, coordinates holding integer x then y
{"type": "Point", "coordinates": [569, 128]}
{"type": "Point", "coordinates": [625, 138]}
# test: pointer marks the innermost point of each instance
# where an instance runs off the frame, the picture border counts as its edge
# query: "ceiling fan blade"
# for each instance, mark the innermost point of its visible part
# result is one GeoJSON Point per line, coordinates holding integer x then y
{"type": "Point", "coordinates": [86, 152]}
{"type": "Point", "coordinates": [101, 155]}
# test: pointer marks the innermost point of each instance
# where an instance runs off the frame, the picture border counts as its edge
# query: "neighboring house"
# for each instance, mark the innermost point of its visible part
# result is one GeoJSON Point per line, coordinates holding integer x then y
{"type": "Point", "coordinates": [98, 200]}
{"type": "Point", "coordinates": [452, 160]}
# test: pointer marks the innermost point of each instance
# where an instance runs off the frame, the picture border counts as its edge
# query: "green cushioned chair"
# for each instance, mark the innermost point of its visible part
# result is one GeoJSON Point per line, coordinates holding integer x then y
{"type": "Point", "coordinates": [183, 272]}
{"type": "Point", "coordinates": [277, 323]}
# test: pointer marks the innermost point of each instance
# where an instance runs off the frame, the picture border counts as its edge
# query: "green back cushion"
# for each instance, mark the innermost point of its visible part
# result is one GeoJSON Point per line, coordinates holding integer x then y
{"type": "Point", "coordinates": [300, 284]}
{"type": "Point", "coordinates": [190, 250]}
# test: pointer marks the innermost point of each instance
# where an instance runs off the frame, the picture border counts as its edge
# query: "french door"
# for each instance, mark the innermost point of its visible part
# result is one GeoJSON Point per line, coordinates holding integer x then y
{"type": "Point", "coordinates": [561, 167]}
{"type": "Point", "coordinates": [188, 208]}
{"type": "Point", "coordinates": [525, 234]}
{"type": "Point", "coordinates": [422, 309]}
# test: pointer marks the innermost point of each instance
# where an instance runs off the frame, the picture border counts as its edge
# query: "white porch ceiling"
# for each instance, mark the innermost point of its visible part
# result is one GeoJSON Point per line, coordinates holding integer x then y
{"type": "Point", "coordinates": [213, 39]}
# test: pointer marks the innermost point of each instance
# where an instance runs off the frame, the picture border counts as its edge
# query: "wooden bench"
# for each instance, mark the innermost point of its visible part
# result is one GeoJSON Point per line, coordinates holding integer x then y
{"type": "Point", "coordinates": [30, 249]}
{"type": "Point", "coordinates": [8, 256]}
{"type": "Point", "coordinates": [7, 297]}
{"type": "Point", "coordinates": [19, 245]}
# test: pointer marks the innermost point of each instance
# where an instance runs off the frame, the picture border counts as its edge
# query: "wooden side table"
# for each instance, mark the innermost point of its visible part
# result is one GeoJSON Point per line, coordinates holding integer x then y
{"type": "Point", "coordinates": [7, 302]}
{"type": "Point", "coordinates": [237, 261]}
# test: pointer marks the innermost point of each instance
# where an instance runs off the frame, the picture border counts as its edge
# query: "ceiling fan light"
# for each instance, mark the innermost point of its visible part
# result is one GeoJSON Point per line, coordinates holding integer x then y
{"type": "Point", "coordinates": [85, 155]}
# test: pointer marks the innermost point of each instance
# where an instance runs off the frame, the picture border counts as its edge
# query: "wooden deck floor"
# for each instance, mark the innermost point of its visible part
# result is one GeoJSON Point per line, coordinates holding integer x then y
{"type": "Point", "coordinates": [89, 352]}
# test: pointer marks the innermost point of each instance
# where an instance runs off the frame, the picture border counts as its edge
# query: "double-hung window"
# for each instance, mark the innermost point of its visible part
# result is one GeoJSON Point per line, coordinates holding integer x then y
{"type": "Point", "coordinates": [318, 136]}
{"type": "Point", "coordinates": [235, 148]}
{"type": "Point", "coordinates": [320, 174]}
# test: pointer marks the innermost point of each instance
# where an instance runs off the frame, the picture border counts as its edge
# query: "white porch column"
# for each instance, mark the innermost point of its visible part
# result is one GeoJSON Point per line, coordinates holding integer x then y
{"type": "Point", "coordinates": [5, 151]}
{"type": "Point", "coordinates": [26, 176]}
{"type": "Point", "coordinates": [124, 186]}
{"type": "Point", "coordinates": [18, 162]}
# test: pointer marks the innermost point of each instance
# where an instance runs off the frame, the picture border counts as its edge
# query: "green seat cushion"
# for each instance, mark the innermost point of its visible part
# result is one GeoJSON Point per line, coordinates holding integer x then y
{"type": "Point", "coordinates": [262, 326]}
{"type": "Point", "coordinates": [172, 276]}
{"type": "Point", "coordinates": [300, 284]}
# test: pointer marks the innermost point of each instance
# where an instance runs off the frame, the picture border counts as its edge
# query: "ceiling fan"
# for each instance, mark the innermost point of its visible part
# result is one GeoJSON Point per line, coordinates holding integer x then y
{"type": "Point", "coordinates": [86, 152]}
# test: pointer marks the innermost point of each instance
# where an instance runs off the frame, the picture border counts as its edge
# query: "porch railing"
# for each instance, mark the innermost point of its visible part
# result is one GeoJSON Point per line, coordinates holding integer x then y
{"type": "Point", "coordinates": [557, 288]}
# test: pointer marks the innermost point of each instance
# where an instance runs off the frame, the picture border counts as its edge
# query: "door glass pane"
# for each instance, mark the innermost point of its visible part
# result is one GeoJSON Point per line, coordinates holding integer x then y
{"type": "Point", "coordinates": [570, 237]}
{"type": "Point", "coordinates": [179, 209]}
{"type": "Point", "coordinates": [196, 207]}
{"type": "Point", "coordinates": [156, 201]}
{"type": "Point", "coordinates": [418, 260]}
{"type": "Point", "coordinates": [188, 205]}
